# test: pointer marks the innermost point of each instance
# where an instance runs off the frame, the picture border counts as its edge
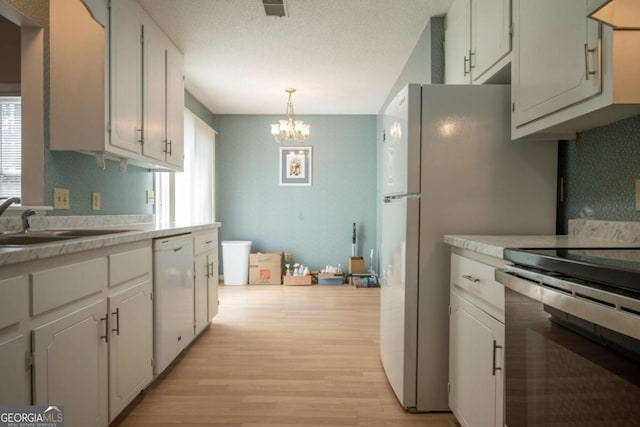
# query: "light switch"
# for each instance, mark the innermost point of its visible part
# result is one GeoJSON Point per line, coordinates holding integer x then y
{"type": "Point", "coordinates": [61, 198]}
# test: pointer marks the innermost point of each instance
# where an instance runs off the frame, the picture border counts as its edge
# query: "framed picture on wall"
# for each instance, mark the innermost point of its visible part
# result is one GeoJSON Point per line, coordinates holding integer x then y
{"type": "Point", "coordinates": [295, 166]}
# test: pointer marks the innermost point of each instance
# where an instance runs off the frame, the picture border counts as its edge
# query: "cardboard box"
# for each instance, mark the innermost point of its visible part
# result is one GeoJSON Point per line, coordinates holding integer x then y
{"type": "Point", "coordinates": [265, 268]}
{"type": "Point", "coordinates": [330, 279]}
{"type": "Point", "coordinates": [296, 280]}
{"type": "Point", "coordinates": [356, 265]}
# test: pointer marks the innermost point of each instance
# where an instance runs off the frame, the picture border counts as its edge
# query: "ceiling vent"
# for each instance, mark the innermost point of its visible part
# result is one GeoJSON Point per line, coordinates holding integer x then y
{"type": "Point", "coordinates": [274, 7]}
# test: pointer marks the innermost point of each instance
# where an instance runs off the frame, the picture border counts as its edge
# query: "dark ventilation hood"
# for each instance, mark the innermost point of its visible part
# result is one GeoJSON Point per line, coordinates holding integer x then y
{"type": "Point", "coordinates": [274, 7]}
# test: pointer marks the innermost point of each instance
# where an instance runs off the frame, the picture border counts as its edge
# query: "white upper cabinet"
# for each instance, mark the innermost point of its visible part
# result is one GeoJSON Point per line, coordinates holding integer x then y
{"type": "Point", "coordinates": [175, 108]}
{"type": "Point", "coordinates": [155, 55]}
{"type": "Point", "coordinates": [147, 88]}
{"type": "Point", "coordinates": [126, 79]}
{"type": "Point", "coordinates": [569, 73]}
{"type": "Point", "coordinates": [118, 93]}
{"type": "Point", "coordinates": [457, 38]}
{"type": "Point", "coordinates": [76, 78]}
{"type": "Point", "coordinates": [490, 36]}
{"type": "Point", "coordinates": [477, 41]}
{"type": "Point", "coordinates": [556, 45]}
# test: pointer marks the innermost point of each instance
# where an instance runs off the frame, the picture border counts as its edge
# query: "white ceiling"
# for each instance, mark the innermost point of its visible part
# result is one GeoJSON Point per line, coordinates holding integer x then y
{"type": "Point", "coordinates": [343, 56]}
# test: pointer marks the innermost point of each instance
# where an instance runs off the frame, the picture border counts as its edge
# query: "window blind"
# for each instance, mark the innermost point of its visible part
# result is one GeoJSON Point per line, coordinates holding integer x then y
{"type": "Point", "coordinates": [189, 196]}
{"type": "Point", "coordinates": [10, 146]}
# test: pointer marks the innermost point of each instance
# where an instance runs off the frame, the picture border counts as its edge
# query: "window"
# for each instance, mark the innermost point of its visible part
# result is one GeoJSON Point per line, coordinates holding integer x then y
{"type": "Point", "coordinates": [10, 146]}
{"type": "Point", "coordinates": [189, 196]}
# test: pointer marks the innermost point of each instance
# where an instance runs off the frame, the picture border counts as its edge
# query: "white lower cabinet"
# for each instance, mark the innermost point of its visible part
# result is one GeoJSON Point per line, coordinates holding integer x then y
{"type": "Point", "coordinates": [476, 344]}
{"type": "Point", "coordinates": [15, 371]}
{"type": "Point", "coordinates": [77, 331]}
{"type": "Point", "coordinates": [206, 277]}
{"type": "Point", "coordinates": [70, 365]}
{"type": "Point", "coordinates": [201, 277]}
{"type": "Point", "coordinates": [130, 345]}
{"type": "Point", "coordinates": [476, 385]}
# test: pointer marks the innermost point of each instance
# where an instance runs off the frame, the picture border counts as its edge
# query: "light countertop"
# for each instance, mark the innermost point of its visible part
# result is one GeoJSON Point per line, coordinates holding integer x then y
{"type": "Point", "coordinates": [495, 245]}
{"type": "Point", "coordinates": [139, 231]}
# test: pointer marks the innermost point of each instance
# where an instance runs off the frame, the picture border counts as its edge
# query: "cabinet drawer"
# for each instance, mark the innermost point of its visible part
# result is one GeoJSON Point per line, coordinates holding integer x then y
{"type": "Point", "coordinates": [58, 286]}
{"type": "Point", "coordinates": [125, 266]}
{"type": "Point", "coordinates": [13, 300]}
{"type": "Point", "coordinates": [476, 282]}
{"type": "Point", "coordinates": [206, 241]}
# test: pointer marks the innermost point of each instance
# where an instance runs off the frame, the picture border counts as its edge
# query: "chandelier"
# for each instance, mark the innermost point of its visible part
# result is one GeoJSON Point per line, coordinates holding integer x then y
{"type": "Point", "coordinates": [290, 130]}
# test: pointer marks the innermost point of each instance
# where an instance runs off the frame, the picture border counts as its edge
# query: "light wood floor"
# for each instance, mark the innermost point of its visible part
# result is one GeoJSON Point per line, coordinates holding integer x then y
{"type": "Point", "coordinates": [282, 355]}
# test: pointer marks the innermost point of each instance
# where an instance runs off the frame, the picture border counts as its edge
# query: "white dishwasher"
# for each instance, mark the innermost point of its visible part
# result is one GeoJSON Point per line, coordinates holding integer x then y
{"type": "Point", "coordinates": [173, 298]}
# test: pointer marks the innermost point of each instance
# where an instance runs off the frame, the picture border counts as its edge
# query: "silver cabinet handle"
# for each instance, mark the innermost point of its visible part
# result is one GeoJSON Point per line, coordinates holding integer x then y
{"type": "Point", "coordinates": [464, 65]}
{"type": "Point", "coordinates": [471, 66]}
{"type": "Point", "coordinates": [495, 368]}
{"type": "Point", "coordinates": [141, 135]}
{"type": "Point", "coordinates": [587, 70]}
{"type": "Point", "coordinates": [471, 278]}
{"type": "Point", "coordinates": [170, 144]}
{"type": "Point", "coordinates": [117, 314]}
{"type": "Point", "coordinates": [210, 266]}
{"type": "Point", "coordinates": [106, 328]}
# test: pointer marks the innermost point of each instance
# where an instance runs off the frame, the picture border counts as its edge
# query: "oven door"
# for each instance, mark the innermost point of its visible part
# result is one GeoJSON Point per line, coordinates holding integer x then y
{"type": "Point", "coordinates": [563, 370]}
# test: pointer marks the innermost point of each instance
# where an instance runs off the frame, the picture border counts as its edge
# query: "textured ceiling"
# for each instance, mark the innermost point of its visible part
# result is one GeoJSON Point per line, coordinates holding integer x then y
{"type": "Point", "coordinates": [343, 56]}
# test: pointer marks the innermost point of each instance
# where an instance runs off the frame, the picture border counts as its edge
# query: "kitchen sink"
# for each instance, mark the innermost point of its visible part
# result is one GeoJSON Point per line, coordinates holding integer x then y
{"type": "Point", "coordinates": [48, 236]}
{"type": "Point", "coordinates": [29, 239]}
{"type": "Point", "coordinates": [87, 232]}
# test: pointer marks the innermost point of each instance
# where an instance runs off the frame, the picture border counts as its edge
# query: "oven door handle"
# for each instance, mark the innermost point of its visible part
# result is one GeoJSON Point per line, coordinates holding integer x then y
{"type": "Point", "coordinates": [612, 311]}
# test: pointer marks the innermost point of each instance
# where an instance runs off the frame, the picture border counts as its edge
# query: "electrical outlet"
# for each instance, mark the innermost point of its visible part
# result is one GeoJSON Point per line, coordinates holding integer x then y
{"type": "Point", "coordinates": [151, 197]}
{"type": "Point", "coordinates": [61, 198]}
{"type": "Point", "coordinates": [95, 201]}
{"type": "Point", "coordinates": [287, 257]}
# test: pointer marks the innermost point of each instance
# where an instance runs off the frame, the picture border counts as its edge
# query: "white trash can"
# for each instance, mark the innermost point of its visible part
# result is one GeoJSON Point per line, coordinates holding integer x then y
{"type": "Point", "coordinates": [235, 261]}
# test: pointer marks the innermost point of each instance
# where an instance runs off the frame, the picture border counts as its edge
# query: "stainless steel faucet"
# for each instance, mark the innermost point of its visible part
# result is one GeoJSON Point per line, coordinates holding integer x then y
{"type": "Point", "coordinates": [10, 200]}
{"type": "Point", "coordinates": [26, 220]}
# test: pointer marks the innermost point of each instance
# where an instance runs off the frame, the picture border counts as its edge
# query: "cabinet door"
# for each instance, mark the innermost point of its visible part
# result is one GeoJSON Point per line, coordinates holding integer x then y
{"type": "Point", "coordinates": [213, 286]}
{"type": "Point", "coordinates": [70, 365]}
{"type": "Point", "coordinates": [175, 108]}
{"type": "Point", "coordinates": [130, 346]}
{"type": "Point", "coordinates": [155, 55]}
{"type": "Point", "coordinates": [76, 77]}
{"type": "Point", "coordinates": [14, 387]}
{"type": "Point", "coordinates": [555, 53]}
{"type": "Point", "coordinates": [200, 289]}
{"type": "Point", "coordinates": [475, 362]}
{"type": "Point", "coordinates": [126, 76]}
{"type": "Point", "coordinates": [491, 34]}
{"type": "Point", "coordinates": [457, 39]}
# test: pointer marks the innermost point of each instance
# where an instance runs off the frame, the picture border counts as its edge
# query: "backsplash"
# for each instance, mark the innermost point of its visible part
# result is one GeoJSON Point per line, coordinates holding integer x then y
{"type": "Point", "coordinates": [120, 193]}
{"type": "Point", "coordinates": [599, 170]}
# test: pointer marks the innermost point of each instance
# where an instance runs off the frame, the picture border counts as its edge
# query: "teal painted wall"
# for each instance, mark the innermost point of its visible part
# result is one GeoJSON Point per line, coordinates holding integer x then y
{"type": "Point", "coordinates": [599, 170]}
{"type": "Point", "coordinates": [120, 193]}
{"type": "Point", "coordinates": [313, 223]}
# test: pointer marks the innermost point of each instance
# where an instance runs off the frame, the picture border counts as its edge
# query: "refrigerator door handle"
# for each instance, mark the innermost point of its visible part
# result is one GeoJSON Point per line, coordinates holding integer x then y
{"type": "Point", "coordinates": [390, 198]}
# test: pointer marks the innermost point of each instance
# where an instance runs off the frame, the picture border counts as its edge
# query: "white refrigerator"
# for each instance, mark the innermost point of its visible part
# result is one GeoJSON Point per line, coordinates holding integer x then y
{"type": "Point", "coordinates": [449, 167]}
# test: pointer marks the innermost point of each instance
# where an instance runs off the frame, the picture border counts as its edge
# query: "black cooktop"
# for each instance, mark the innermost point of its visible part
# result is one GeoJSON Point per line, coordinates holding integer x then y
{"type": "Point", "coordinates": [615, 267]}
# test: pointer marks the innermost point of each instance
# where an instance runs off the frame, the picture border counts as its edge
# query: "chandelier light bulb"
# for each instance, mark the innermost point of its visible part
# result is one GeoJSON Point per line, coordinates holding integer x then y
{"type": "Point", "coordinates": [289, 130]}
